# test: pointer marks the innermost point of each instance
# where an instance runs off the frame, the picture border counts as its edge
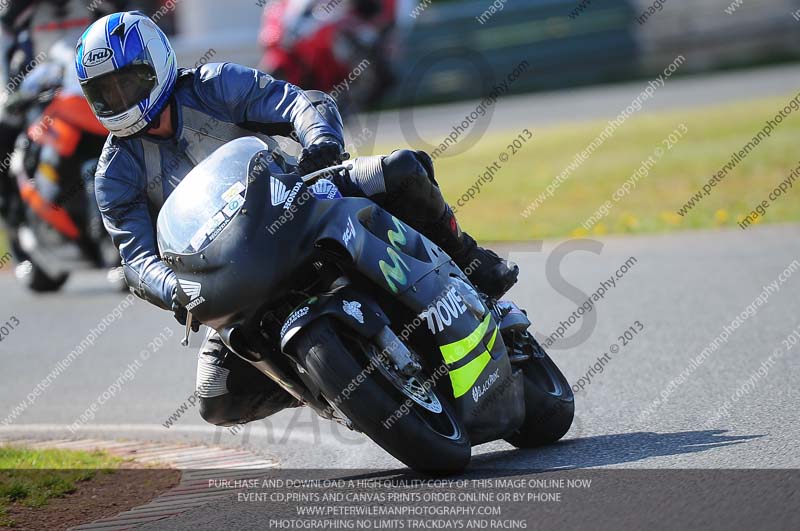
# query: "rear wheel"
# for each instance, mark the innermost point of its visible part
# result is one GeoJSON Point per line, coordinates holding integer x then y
{"type": "Point", "coordinates": [403, 415]}
{"type": "Point", "coordinates": [35, 279]}
{"type": "Point", "coordinates": [549, 402]}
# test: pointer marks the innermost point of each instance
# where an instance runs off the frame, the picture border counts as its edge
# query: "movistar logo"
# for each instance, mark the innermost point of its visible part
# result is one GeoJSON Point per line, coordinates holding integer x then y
{"type": "Point", "coordinates": [394, 273]}
{"type": "Point", "coordinates": [397, 237]}
{"type": "Point", "coordinates": [281, 195]}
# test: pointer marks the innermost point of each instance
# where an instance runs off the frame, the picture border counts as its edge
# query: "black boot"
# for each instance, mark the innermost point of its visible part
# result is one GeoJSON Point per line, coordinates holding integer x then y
{"type": "Point", "coordinates": [488, 272]}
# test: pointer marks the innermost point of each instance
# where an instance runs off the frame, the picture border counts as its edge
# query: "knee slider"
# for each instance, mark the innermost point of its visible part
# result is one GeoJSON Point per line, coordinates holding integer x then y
{"type": "Point", "coordinates": [229, 410]}
{"type": "Point", "coordinates": [219, 410]}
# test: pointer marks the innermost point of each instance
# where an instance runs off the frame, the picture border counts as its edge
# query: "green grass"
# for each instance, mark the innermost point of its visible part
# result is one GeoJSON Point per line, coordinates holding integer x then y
{"type": "Point", "coordinates": [713, 135]}
{"type": "Point", "coordinates": [31, 477]}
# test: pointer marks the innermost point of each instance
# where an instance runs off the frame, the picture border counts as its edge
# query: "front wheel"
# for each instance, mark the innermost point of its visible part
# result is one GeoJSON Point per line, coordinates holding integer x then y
{"type": "Point", "coordinates": [37, 280]}
{"type": "Point", "coordinates": [549, 401]}
{"type": "Point", "coordinates": [407, 418]}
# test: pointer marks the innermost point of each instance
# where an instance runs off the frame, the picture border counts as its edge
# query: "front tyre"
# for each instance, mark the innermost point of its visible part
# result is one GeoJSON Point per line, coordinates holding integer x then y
{"type": "Point", "coordinates": [116, 279]}
{"type": "Point", "coordinates": [549, 401]}
{"type": "Point", "coordinates": [414, 424]}
{"type": "Point", "coordinates": [36, 280]}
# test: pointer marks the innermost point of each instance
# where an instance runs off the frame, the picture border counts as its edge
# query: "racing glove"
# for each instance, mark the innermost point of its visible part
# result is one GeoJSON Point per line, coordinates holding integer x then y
{"type": "Point", "coordinates": [321, 155]}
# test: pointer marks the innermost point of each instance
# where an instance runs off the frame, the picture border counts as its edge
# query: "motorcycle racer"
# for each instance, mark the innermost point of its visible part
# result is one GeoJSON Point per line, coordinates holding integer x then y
{"type": "Point", "coordinates": [32, 55]}
{"type": "Point", "coordinates": [164, 120]}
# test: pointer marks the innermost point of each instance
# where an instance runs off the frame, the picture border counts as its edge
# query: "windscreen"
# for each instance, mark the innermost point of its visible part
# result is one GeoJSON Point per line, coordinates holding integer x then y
{"type": "Point", "coordinates": [207, 199]}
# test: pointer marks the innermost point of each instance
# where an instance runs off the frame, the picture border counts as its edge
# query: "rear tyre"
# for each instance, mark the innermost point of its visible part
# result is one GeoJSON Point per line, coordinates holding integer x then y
{"type": "Point", "coordinates": [549, 402]}
{"type": "Point", "coordinates": [36, 280]}
{"type": "Point", "coordinates": [428, 438]}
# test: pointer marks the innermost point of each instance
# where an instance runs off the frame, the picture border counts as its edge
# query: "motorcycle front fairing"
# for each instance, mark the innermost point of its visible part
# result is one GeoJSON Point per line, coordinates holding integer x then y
{"type": "Point", "coordinates": [214, 232]}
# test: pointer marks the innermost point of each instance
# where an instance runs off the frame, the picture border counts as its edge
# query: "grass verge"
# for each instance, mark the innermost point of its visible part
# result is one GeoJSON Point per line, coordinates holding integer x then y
{"type": "Point", "coordinates": [713, 135]}
{"type": "Point", "coordinates": [5, 256]}
{"type": "Point", "coordinates": [33, 477]}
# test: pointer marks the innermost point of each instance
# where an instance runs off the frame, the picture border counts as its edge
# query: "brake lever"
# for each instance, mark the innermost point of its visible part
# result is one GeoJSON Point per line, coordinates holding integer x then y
{"type": "Point", "coordinates": [307, 179]}
{"type": "Point", "coordinates": [188, 332]}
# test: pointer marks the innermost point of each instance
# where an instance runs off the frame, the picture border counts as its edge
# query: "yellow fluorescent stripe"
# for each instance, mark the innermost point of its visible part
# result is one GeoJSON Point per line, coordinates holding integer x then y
{"type": "Point", "coordinates": [465, 377]}
{"type": "Point", "coordinates": [491, 341]}
{"type": "Point", "coordinates": [458, 349]}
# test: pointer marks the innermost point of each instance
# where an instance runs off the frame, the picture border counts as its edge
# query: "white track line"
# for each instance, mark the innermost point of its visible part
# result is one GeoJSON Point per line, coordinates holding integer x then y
{"type": "Point", "coordinates": [297, 434]}
{"type": "Point", "coordinates": [93, 428]}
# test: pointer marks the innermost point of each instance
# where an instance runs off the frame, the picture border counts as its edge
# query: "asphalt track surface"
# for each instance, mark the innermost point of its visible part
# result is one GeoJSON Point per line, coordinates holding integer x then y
{"type": "Point", "coordinates": [683, 288]}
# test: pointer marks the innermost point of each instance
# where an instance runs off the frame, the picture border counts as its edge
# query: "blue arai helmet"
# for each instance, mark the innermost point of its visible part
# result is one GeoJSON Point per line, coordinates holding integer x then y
{"type": "Point", "coordinates": [127, 70]}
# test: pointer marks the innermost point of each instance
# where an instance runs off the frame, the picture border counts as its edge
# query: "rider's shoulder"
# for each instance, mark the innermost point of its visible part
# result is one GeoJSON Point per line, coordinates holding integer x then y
{"type": "Point", "coordinates": [208, 71]}
{"type": "Point", "coordinates": [215, 74]}
{"type": "Point", "coordinates": [216, 86]}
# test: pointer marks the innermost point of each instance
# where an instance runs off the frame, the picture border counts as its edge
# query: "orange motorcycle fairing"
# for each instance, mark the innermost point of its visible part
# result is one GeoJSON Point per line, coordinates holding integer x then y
{"type": "Point", "coordinates": [56, 216]}
{"type": "Point", "coordinates": [63, 122]}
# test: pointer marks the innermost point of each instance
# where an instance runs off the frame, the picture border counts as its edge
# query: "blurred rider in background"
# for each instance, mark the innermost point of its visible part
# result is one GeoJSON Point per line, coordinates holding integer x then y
{"type": "Point", "coordinates": [344, 47]}
{"type": "Point", "coordinates": [36, 50]}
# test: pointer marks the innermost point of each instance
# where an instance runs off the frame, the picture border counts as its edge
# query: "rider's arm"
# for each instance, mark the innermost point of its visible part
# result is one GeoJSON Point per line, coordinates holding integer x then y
{"type": "Point", "coordinates": [249, 95]}
{"type": "Point", "coordinates": [122, 198]}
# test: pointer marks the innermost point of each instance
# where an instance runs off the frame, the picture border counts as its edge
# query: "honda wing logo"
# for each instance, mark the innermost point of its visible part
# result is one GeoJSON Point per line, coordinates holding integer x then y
{"type": "Point", "coordinates": [279, 192]}
{"type": "Point", "coordinates": [282, 195]}
{"type": "Point", "coordinates": [192, 289]}
{"type": "Point", "coordinates": [323, 188]}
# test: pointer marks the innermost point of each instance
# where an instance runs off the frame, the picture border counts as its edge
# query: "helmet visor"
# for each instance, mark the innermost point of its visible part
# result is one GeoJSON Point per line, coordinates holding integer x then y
{"type": "Point", "coordinates": [117, 92]}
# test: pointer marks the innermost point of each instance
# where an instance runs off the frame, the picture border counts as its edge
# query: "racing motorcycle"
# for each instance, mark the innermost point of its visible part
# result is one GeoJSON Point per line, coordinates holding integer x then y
{"type": "Point", "coordinates": [57, 226]}
{"type": "Point", "coordinates": [355, 313]}
{"type": "Point", "coordinates": [344, 50]}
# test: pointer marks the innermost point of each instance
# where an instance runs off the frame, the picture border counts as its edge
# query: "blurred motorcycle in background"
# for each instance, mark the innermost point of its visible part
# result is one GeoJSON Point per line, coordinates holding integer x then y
{"type": "Point", "coordinates": [54, 221]}
{"type": "Point", "coordinates": [51, 141]}
{"type": "Point", "coordinates": [343, 47]}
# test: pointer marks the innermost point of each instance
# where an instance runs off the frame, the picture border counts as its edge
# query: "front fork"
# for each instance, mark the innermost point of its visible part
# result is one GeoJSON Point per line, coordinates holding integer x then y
{"type": "Point", "coordinates": [514, 327]}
